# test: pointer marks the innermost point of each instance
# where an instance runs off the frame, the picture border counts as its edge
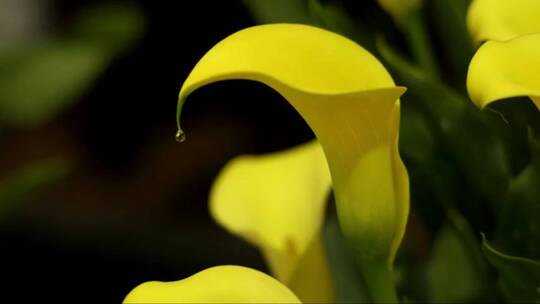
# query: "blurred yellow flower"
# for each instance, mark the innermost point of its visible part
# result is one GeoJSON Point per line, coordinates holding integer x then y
{"type": "Point", "coordinates": [507, 64]}
{"type": "Point", "coordinates": [220, 284]}
{"type": "Point", "coordinates": [277, 203]}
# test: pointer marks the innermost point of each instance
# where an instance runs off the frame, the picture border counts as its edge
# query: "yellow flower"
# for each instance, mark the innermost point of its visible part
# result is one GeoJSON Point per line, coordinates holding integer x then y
{"type": "Point", "coordinates": [504, 69]}
{"type": "Point", "coordinates": [350, 101]}
{"type": "Point", "coordinates": [507, 64]}
{"type": "Point", "coordinates": [277, 202]}
{"type": "Point", "coordinates": [502, 19]}
{"type": "Point", "coordinates": [220, 284]}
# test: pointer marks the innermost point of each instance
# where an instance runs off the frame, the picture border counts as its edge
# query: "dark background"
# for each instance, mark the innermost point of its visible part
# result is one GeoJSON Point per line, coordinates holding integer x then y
{"type": "Point", "coordinates": [133, 206]}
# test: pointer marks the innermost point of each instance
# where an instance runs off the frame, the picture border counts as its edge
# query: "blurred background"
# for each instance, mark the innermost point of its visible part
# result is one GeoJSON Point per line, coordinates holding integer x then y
{"type": "Point", "coordinates": [97, 197]}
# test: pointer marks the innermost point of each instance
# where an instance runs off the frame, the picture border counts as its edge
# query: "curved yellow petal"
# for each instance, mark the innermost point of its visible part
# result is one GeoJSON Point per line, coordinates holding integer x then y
{"type": "Point", "coordinates": [290, 55]}
{"type": "Point", "coordinates": [502, 19]}
{"type": "Point", "coordinates": [277, 202]}
{"type": "Point", "coordinates": [350, 102]}
{"type": "Point", "coordinates": [505, 69]}
{"type": "Point", "coordinates": [220, 284]}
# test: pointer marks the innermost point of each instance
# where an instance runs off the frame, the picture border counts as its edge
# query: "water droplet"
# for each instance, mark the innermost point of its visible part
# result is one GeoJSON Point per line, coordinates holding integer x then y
{"type": "Point", "coordinates": [180, 136]}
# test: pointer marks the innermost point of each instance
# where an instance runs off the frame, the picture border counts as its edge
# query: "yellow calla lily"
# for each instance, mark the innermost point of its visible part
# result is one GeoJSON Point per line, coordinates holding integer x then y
{"type": "Point", "coordinates": [504, 69]}
{"type": "Point", "coordinates": [503, 19]}
{"type": "Point", "coordinates": [277, 202]}
{"type": "Point", "coordinates": [351, 103]}
{"type": "Point", "coordinates": [220, 284]}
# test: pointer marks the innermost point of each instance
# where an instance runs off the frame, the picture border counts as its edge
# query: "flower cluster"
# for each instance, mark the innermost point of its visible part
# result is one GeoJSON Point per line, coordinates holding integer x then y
{"type": "Point", "coordinates": [277, 201]}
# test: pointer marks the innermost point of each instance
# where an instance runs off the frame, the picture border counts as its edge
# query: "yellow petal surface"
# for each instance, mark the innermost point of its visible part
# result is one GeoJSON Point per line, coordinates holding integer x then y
{"type": "Point", "coordinates": [350, 102]}
{"type": "Point", "coordinates": [503, 19]}
{"type": "Point", "coordinates": [505, 69]}
{"type": "Point", "coordinates": [359, 134]}
{"type": "Point", "coordinates": [277, 202]}
{"type": "Point", "coordinates": [220, 284]}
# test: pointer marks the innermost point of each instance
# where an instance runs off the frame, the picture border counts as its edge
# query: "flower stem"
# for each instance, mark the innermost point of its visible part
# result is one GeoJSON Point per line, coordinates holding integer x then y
{"type": "Point", "coordinates": [417, 36]}
{"type": "Point", "coordinates": [378, 279]}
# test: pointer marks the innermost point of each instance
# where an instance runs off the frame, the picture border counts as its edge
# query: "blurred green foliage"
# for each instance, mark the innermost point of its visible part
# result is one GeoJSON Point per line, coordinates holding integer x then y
{"type": "Point", "coordinates": [41, 78]}
{"type": "Point", "coordinates": [20, 186]}
{"type": "Point", "coordinates": [518, 227]}
{"type": "Point", "coordinates": [279, 11]}
{"type": "Point", "coordinates": [519, 278]}
{"type": "Point", "coordinates": [450, 257]}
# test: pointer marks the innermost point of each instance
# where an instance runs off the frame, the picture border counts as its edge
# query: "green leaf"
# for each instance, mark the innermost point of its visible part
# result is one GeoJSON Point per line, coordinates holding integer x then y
{"type": "Point", "coordinates": [464, 132]}
{"type": "Point", "coordinates": [279, 11]}
{"type": "Point", "coordinates": [416, 138]}
{"type": "Point", "coordinates": [451, 270]}
{"type": "Point", "coordinates": [516, 116]}
{"type": "Point", "coordinates": [415, 30]}
{"type": "Point", "coordinates": [313, 12]}
{"type": "Point", "coordinates": [113, 26]}
{"type": "Point", "coordinates": [38, 81]}
{"type": "Point", "coordinates": [349, 285]}
{"type": "Point", "coordinates": [334, 17]}
{"type": "Point", "coordinates": [518, 228]}
{"type": "Point", "coordinates": [449, 20]}
{"type": "Point", "coordinates": [43, 81]}
{"type": "Point", "coordinates": [519, 278]}
{"type": "Point", "coordinates": [19, 186]}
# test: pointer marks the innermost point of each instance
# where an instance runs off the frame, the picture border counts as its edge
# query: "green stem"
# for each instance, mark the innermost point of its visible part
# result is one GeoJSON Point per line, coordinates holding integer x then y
{"type": "Point", "coordinates": [378, 279]}
{"type": "Point", "coordinates": [416, 34]}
